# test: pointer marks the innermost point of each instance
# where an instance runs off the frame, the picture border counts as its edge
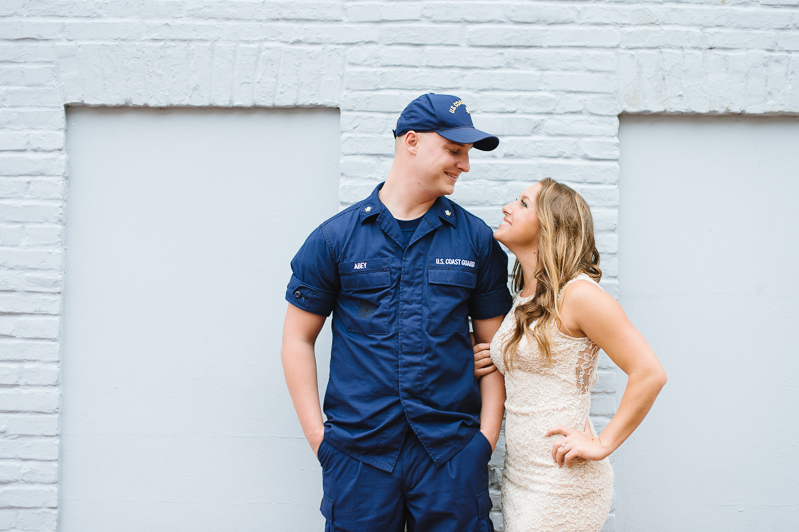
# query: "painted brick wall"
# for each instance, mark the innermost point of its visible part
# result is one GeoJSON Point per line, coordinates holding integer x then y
{"type": "Point", "coordinates": [550, 78]}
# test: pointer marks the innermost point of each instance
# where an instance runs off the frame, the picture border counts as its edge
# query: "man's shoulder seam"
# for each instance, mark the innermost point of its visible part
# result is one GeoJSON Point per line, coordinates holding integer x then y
{"type": "Point", "coordinates": [348, 210]}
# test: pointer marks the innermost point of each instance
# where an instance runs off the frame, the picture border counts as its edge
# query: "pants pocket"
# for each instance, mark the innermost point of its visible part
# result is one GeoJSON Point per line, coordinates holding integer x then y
{"type": "Point", "coordinates": [321, 454]}
{"type": "Point", "coordinates": [486, 445]}
{"type": "Point", "coordinates": [327, 511]}
{"type": "Point", "coordinates": [484, 505]}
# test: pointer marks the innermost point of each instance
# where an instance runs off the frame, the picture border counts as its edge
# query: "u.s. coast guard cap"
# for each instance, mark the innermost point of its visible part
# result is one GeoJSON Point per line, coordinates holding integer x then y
{"type": "Point", "coordinates": [446, 115]}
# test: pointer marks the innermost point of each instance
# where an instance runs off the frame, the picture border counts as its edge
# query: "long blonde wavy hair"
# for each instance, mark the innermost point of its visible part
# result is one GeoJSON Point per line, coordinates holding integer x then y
{"type": "Point", "coordinates": [566, 248]}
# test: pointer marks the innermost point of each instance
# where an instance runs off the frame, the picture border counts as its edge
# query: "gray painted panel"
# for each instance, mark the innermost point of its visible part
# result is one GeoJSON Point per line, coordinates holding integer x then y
{"type": "Point", "coordinates": [180, 228]}
{"type": "Point", "coordinates": [709, 211]}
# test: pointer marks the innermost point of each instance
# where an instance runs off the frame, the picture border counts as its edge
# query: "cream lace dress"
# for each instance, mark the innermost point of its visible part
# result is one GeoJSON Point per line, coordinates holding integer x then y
{"type": "Point", "coordinates": [536, 494]}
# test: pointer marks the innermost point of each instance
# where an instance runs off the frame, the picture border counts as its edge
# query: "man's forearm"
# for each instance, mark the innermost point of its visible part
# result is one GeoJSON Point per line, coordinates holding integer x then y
{"type": "Point", "coordinates": [492, 391]}
{"type": "Point", "coordinates": [299, 368]}
{"type": "Point", "coordinates": [492, 386]}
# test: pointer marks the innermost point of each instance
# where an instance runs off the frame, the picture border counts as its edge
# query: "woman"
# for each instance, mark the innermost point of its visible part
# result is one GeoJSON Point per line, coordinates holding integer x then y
{"type": "Point", "coordinates": [547, 349]}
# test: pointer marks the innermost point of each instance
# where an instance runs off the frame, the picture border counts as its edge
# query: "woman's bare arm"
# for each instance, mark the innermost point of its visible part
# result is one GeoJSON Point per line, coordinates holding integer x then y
{"type": "Point", "coordinates": [588, 310]}
{"type": "Point", "coordinates": [492, 387]}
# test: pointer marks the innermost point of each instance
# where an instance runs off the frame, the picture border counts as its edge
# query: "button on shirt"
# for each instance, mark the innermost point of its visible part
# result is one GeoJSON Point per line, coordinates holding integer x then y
{"type": "Point", "coordinates": [401, 356]}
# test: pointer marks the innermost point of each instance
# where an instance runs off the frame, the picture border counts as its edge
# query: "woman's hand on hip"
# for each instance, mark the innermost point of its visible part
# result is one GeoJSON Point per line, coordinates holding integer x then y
{"type": "Point", "coordinates": [576, 444]}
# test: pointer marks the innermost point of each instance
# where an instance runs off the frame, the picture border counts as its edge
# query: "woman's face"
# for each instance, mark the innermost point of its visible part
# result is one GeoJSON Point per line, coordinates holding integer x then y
{"type": "Point", "coordinates": [519, 229]}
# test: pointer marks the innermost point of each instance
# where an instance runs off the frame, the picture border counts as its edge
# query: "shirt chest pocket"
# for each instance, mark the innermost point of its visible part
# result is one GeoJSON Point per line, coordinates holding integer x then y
{"type": "Point", "coordinates": [450, 290]}
{"type": "Point", "coordinates": [364, 296]}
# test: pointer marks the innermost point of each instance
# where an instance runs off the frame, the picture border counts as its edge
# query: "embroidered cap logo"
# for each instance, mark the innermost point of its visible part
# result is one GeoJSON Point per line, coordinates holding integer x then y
{"type": "Point", "coordinates": [455, 105]}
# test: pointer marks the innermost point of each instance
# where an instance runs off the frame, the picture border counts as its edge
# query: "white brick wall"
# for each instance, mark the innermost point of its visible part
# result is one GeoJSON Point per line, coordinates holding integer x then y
{"type": "Point", "coordinates": [550, 78]}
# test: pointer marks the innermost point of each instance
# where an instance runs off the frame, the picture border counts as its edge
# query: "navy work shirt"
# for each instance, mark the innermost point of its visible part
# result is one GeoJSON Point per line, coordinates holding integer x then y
{"type": "Point", "coordinates": [401, 352]}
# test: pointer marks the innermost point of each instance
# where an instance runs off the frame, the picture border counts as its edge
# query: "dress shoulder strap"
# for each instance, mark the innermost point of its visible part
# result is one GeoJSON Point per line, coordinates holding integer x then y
{"type": "Point", "coordinates": [578, 277]}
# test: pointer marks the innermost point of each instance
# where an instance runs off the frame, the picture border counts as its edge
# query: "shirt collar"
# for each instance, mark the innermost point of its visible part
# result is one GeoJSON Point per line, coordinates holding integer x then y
{"type": "Point", "coordinates": [373, 206]}
{"type": "Point", "coordinates": [443, 207]}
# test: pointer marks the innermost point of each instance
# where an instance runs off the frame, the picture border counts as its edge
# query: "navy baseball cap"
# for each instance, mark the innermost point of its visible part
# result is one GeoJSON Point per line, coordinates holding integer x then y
{"type": "Point", "coordinates": [446, 115]}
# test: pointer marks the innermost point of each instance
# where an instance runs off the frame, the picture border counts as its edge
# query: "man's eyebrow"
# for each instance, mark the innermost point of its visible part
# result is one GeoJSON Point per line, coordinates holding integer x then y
{"type": "Point", "coordinates": [458, 144]}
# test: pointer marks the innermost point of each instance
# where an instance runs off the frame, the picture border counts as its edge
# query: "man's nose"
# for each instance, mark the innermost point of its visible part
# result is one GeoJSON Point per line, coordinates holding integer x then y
{"type": "Point", "coordinates": [463, 163]}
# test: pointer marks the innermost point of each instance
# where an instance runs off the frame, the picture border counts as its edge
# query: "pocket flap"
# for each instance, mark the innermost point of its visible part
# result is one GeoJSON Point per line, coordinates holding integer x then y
{"type": "Point", "coordinates": [366, 280]}
{"type": "Point", "coordinates": [484, 503]}
{"type": "Point", "coordinates": [327, 508]}
{"type": "Point", "coordinates": [452, 277]}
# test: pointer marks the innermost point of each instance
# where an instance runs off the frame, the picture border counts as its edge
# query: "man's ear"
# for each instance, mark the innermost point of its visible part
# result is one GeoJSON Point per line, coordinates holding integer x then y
{"type": "Point", "coordinates": [411, 142]}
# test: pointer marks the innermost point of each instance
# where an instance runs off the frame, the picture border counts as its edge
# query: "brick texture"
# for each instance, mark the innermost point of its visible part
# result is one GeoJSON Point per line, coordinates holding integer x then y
{"type": "Point", "coordinates": [550, 78]}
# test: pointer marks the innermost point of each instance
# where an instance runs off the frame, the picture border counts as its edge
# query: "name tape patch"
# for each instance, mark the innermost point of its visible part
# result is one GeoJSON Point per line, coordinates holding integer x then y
{"type": "Point", "coordinates": [359, 266]}
{"type": "Point", "coordinates": [455, 262]}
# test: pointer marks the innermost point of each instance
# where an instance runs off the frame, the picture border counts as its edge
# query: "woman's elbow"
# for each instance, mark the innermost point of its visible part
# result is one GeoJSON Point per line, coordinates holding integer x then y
{"type": "Point", "coordinates": [652, 377]}
{"type": "Point", "coordinates": [659, 378]}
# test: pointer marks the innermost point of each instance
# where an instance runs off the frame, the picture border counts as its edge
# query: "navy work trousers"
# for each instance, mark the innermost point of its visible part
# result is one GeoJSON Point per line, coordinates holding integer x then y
{"type": "Point", "coordinates": [452, 498]}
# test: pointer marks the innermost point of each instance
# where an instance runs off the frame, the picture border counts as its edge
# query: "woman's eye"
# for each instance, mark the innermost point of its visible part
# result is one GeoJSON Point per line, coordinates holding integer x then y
{"type": "Point", "coordinates": [524, 204]}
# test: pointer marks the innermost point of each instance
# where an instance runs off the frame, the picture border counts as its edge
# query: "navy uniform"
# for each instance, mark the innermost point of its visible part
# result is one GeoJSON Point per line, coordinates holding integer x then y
{"type": "Point", "coordinates": [402, 439]}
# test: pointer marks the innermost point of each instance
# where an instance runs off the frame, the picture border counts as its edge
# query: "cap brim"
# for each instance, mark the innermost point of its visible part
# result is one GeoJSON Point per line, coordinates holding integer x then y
{"type": "Point", "coordinates": [468, 135]}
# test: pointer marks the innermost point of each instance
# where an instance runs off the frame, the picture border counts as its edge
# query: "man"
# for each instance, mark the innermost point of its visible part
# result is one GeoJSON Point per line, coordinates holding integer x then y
{"type": "Point", "coordinates": [407, 437]}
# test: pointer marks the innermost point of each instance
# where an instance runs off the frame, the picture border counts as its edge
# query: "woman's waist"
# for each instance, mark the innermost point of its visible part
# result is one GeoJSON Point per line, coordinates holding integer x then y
{"type": "Point", "coordinates": [527, 385]}
{"type": "Point", "coordinates": [526, 432]}
{"type": "Point", "coordinates": [571, 409]}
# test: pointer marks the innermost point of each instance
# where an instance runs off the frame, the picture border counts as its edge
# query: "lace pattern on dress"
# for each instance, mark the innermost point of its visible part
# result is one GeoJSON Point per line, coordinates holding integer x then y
{"type": "Point", "coordinates": [536, 494]}
{"type": "Point", "coordinates": [585, 367]}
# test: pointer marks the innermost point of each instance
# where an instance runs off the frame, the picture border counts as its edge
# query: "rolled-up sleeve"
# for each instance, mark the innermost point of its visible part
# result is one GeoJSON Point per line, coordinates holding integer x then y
{"type": "Point", "coordinates": [491, 297]}
{"type": "Point", "coordinates": [314, 282]}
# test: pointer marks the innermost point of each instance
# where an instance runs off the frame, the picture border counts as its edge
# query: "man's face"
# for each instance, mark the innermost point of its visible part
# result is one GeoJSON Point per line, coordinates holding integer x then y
{"type": "Point", "coordinates": [440, 162]}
